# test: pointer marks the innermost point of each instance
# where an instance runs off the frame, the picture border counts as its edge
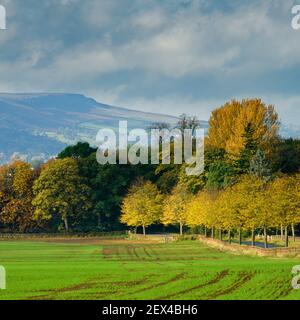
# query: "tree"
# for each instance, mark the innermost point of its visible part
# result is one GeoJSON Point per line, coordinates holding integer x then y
{"type": "Point", "coordinates": [263, 210]}
{"type": "Point", "coordinates": [248, 150]}
{"type": "Point", "coordinates": [288, 156]}
{"type": "Point", "coordinates": [142, 205]}
{"type": "Point", "coordinates": [80, 150]}
{"type": "Point", "coordinates": [219, 176]}
{"type": "Point", "coordinates": [227, 126]}
{"type": "Point", "coordinates": [176, 207]}
{"type": "Point", "coordinates": [188, 122]}
{"type": "Point", "coordinates": [61, 191]}
{"type": "Point", "coordinates": [245, 197]}
{"type": "Point", "coordinates": [285, 202]}
{"type": "Point", "coordinates": [201, 211]}
{"type": "Point", "coordinates": [16, 195]}
{"type": "Point", "coordinates": [231, 205]}
{"type": "Point", "coordinates": [259, 166]}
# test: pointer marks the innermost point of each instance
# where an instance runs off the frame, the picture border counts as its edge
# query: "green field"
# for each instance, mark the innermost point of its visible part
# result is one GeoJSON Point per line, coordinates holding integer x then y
{"type": "Point", "coordinates": [120, 269]}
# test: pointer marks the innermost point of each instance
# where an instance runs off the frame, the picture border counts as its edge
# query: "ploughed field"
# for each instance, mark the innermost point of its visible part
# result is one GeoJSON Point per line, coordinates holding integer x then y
{"type": "Point", "coordinates": [124, 269]}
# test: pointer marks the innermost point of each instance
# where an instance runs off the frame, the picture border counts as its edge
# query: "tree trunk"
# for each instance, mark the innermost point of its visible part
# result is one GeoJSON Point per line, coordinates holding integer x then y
{"type": "Point", "coordinates": [240, 237]}
{"type": "Point", "coordinates": [293, 232]}
{"type": "Point", "coordinates": [66, 224]}
{"type": "Point", "coordinates": [144, 230]}
{"type": "Point", "coordinates": [266, 238]}
{"type": "Point", "coordinates": [181, 227]}
{"type": "Point", "coordinates": [253, 238]}
{"type": "Point", "coordinates": [220, 234]}
{"type": "Point", "coordinates": [286, 236]}
{"type": "Point", "coordinates": [229, 236]}
{"type": "Point", "coordinates": [213, 232]}
{"type": "Point", "coordinates": [205, 232]}
{"type": "Point", "coordinates": [281, 232]}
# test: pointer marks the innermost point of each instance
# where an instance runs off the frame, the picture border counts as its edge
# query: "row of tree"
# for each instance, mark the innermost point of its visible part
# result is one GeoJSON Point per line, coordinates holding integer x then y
{"type": "Point", "coordinates": [250, 205]}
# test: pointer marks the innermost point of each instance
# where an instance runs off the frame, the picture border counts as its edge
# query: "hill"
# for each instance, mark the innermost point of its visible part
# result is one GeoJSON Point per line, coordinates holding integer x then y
{"type": "Point", "coordinates": [38, 126]}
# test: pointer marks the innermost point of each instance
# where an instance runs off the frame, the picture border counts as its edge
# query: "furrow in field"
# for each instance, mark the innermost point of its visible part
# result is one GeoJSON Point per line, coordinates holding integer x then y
{"type": "Point", "coordinates": [243, 278]}
{"type": "Point", "coordinates": [160, 284]}
{"type": "Point", "coordinates": [216, 279]}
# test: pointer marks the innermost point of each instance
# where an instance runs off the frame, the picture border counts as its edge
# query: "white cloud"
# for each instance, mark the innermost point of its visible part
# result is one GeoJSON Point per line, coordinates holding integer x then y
{"type": "Point", "coordinates": [150, 19]}
{"type": "Point", "coordinates": [187, 42]}
{"type": "Point", "coordinates": [166, 43]}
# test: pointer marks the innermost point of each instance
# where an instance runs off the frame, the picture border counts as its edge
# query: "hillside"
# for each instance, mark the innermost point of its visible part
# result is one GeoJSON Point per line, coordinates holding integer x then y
{"type": "Point", "coordinates": [35, 126]}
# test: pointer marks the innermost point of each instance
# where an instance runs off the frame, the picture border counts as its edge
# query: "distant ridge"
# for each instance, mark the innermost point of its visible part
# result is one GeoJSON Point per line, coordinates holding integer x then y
{"type": "Point", "coordinates": [37, 126]}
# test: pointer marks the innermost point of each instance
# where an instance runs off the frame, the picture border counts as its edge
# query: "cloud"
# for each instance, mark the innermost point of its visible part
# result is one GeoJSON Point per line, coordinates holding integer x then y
{"type": "Point", "coordinates": [185, 54]}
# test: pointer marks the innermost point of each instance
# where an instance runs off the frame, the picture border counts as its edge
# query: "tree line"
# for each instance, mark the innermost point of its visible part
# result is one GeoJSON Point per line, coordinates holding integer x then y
{"type": "Point", "coordinates": [252, 205]}
{"type": "Point", "coordinates": [244, 157]}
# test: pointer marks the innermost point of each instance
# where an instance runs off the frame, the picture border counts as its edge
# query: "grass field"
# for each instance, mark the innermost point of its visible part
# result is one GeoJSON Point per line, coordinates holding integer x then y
{"type": "Point", "coordinates": [123, 269]}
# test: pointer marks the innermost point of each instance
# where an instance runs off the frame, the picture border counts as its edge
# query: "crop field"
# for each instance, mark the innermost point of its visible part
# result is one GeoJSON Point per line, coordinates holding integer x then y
{"type": "Point", "coordinates": [124, 269]}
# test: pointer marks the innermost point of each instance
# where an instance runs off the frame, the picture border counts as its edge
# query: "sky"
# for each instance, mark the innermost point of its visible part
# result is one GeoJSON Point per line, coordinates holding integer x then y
{"type": "Point", "coordinates": [167, 56]}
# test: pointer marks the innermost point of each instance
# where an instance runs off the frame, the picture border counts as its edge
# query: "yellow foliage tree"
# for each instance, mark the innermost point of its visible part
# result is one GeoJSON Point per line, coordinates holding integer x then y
{"type": "Point", "coordinates": [285, 202]}
{"type": "Point", "coordinates": [227, 125]}
{"type": "Point", "coordinates": [175, 209]}
{"type": "Point", "coordinates": [16, 182]}
{"type": "Point", "coordinates": [142, 205]}
{"type": "Point", "coordinates": [202, 211]}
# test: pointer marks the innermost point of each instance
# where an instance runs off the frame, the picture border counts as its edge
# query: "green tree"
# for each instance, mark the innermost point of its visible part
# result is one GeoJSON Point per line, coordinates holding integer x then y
{"type": "Point", "coordinates": [219, 175]}
{"type": "Point", "coordinates": [249, 149]}
{"type": "Point", "coordinates": [61, 191]}
{"type": "Point", "coordinates": [80, 150]}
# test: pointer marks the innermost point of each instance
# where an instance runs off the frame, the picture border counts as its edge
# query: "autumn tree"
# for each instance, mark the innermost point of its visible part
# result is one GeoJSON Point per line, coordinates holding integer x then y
{"type": "Point", "coordinates": [285, 202]}
{"type": "Point", "coordinates": [61, 191]}
{"type": "Point", "coordinates": [227, 126]}
{"type": "Point", "coordinates": [201, 211]}
{"type": "Point", "coordinates": [176, 206]}
{"type": "Point", "coordinates": [245, 206]}
{"type": "Point", "coordinates": [245, 197]}
{"type": "Point", "coordinates": [231, 205]}
{"type": "Point", "coordinates": [142, 205]}
{"type": "Point", "coordinates": [16, 181]}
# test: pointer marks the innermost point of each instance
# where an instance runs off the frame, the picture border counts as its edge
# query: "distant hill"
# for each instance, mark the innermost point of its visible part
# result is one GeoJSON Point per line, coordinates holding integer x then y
{"type": "Point", "coordinates": [38, 126]}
